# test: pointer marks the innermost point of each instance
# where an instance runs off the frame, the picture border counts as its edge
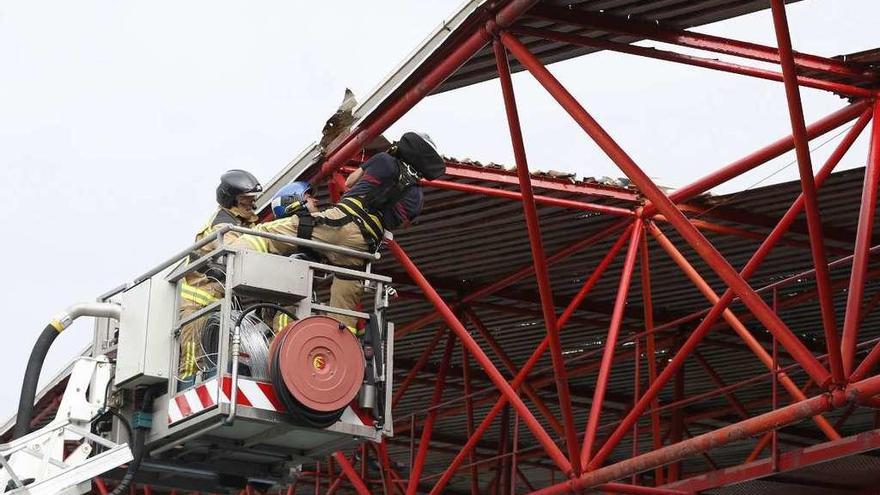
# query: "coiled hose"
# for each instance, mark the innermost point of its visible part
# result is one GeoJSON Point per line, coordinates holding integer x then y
{"type": "Point", "coordinates": [299, 412]}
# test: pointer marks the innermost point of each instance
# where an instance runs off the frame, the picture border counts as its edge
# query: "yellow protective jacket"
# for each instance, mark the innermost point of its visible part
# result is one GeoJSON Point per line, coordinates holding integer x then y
{"type": "Point", "coordinates": [192, 290]}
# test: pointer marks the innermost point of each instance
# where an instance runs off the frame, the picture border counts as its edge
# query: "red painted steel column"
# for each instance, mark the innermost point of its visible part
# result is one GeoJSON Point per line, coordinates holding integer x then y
{"type": "Point", "coordinates": [428, 426]}
{"type": "Point", "coordinates": [704, 248]}
{"type": "Point", "coordinates": [537, 430]}
{"type": "Point", "coordinates": [637, 391]}
{"type": "Point", "coordinates": [351, 474]}
{"type": "Point", "coordinates": [539, 258]}
{"type": "Point", "coordinates": [469, 416]}
{"type": "Point", "coordinates": [852, 320]}
{"type": "Point", "coordinates": [610, 346]}
{"type": "Point", "coordinates": [722, 436]}
{"type": "Point", "coordinates": [527, 367]}
{"type": "Point", "coordinates": [650, 348]}
{"type": "Point", "coordinates": [811, 202]}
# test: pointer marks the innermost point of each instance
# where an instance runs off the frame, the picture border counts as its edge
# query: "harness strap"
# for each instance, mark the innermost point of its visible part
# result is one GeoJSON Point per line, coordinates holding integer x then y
{"type": "Point", "coordinates": [304, 231]}
{"type": "Point", "coordinates": [369, 224]}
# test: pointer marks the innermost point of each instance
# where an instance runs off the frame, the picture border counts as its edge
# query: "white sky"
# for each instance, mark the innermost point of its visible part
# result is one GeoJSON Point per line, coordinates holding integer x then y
{"type": "Point", "coordinates": [116, 118]}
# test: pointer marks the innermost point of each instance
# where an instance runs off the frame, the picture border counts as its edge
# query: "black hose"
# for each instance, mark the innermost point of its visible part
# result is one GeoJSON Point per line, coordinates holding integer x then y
{"type": "Point", "coordinates": [137, 449]}
{"type": "Point", "coordinates": [31, 379]}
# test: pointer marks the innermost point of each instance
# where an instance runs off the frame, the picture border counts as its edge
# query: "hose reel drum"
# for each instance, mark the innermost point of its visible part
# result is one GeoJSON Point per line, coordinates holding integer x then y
{"type": "Point", "coordinates": [317, 368]}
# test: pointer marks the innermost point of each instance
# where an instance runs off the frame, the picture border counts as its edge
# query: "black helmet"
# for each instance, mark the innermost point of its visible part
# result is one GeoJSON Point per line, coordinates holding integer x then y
{"type": "Point", "coordinates": [234, 183]}
{"type": "Point", "coordinates": [420, 152]}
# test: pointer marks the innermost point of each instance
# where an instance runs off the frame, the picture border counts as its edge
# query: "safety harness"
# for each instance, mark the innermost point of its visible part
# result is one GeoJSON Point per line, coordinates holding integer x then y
{"type": "Point", "coordinates": [367, 212]}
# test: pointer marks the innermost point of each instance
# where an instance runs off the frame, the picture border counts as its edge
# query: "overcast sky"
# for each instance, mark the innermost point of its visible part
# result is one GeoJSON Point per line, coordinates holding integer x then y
{"type": "Point", "coordinates": [116, 118]}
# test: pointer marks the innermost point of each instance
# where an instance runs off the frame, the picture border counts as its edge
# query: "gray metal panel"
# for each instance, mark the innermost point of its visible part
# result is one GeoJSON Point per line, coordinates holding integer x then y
{"type": "Point", "coordinates": [145, 340]}
{"type": "Point", "coordinates": [265, 274]}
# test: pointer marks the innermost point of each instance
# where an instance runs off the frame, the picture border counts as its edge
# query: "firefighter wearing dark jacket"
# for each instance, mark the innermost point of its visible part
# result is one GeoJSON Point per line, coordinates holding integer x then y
{"type": "Point", "coordinates": [384, 194]}
{"type": "Point", "coordinates": [235, 199]}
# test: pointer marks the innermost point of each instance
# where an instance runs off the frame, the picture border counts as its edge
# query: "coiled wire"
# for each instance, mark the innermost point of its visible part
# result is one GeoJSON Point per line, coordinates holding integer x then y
{"type": "Point", "coordinates": [255, 337]}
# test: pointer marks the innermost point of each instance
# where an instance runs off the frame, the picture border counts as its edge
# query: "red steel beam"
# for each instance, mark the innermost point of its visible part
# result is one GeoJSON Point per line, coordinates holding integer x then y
{"type": "Point", "coordinates": [541, 200]}
{"type": "Point", "coordinates": [690, 39]}
{"type": "Point", "coordinates": [763, 155]}
{"type": "Point", "coordinates": [664, 204]}
{"type": "Point", "coordinates": [650, 347]}
{"type": "Point", "coordinates": [497, 175]}
{"type": "Point", "coordinates": [852, 318]}
{"type": "Point", "coordinates": [515, 196]}
{"type": "Point", "coordinates": [527, 367]}
{"type": "Point", "coordinates": [502, 176]}
{"type": "Point", "coordinates": [537, 430]}
{"type": "Point", "coordinates": [788, 461]}
{"type": "Point", "coordinates": [352, 475]}
{"type": "Point", "coordinates": [469, 416]}
{"type": "Point", "coordinates": [808, 186]}
{"type": "Point", "coordinates": [610, 345]}
{"type": "Point", "coordinates": [419, 89]}
{"type": "Point", "coordinates": [428, 426]}
{"type": "Point", "coordinates": [722, 436]}
{"type": "Point", "coordinates": [508, 363]}
{"type": "Point", "coordinates": [706, 63]}
{"type": "Point", "coordinates": [539, 257]}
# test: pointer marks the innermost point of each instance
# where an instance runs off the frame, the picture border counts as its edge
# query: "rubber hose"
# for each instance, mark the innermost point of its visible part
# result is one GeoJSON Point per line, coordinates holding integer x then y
{"type": "Point", "coordinates": [137, 450]}
{"type": "Point", "coordinates": [31, 379]}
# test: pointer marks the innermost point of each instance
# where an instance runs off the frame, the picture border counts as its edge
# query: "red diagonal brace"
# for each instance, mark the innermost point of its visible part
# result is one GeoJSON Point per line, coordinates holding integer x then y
{"type": "Point", "coordinates": [428, 427]}
{"type": "Point", "coordinates": [527, 367]}
{"type": "Point", "coordinates": [510, 393]}
{"type": "Point", "coordinates": [353, 477]}
{"type": "Point", "coordinates": [539, 258]}
{"type": "Point", "coordinates": [811, 202]}
{"type": "Point", "coordinates": [852, 320]}
{"type": "Point", "coordinates": [610, 345]}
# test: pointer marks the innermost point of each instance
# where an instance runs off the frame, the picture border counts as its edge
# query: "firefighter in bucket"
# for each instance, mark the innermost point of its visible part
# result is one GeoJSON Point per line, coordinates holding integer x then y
{"type": "Point", "coordinates": [383, 194]}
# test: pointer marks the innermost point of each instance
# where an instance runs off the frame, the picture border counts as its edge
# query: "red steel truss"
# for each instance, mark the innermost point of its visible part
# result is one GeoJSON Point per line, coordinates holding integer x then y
{"type": "Point", "coordinates": [564, 435]}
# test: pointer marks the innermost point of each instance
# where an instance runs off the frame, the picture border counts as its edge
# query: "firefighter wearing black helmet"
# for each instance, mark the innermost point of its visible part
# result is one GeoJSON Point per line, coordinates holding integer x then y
{"type": "Point", "coordinates": [384, 194]}
{"type": "Point", "coordinates": [235, 200]}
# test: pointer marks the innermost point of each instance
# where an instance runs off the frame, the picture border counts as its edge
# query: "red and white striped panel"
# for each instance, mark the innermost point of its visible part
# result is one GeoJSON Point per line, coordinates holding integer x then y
{"type": "Point", "coordinates": [204, 396]}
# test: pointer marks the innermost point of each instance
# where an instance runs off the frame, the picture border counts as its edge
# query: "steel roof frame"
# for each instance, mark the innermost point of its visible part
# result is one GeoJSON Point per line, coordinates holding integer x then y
{"type": "Point", "coordinates": [583, 458]}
